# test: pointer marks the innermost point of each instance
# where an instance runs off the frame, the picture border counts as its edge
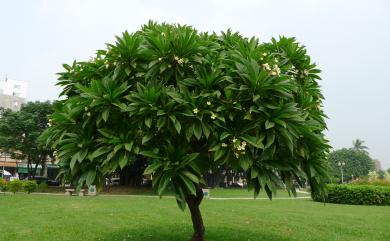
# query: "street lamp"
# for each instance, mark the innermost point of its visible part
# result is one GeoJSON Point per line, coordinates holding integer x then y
{"type": "Point", "coordinates": [341, 165]}
{"type": "Point", "coordinates": [2, 154]}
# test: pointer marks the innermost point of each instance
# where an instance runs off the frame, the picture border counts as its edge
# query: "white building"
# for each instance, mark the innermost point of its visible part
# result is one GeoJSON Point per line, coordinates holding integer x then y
{"type": "Point", "coordinates": [13, 93]}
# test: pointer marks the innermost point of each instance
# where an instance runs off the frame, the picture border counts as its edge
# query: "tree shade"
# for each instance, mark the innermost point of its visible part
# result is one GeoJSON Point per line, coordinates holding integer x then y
{"type": "Point", "coordinates": [189, 101]}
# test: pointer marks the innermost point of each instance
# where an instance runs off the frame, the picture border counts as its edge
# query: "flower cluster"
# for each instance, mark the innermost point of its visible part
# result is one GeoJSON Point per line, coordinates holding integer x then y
{"type": "Point", "coordinates": [179, 60]}
{"type": "Point", "coordinates": [274, 71]}
{"type": "Point", "coordinates": [239, 147]}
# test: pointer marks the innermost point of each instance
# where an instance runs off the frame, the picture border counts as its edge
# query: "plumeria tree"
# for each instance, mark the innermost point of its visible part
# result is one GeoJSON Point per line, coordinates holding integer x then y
{"type": "Point", "coordinates": [189, 101]}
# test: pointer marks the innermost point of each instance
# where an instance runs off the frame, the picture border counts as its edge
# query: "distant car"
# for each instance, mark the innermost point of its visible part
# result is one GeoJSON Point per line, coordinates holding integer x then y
{"type": "Point", "coordinates": [39, 179]}
{"type": "Point", "coordinates": [115, 181]}
{"type": "Point", "coordinates": [53, 183]}
{"type": "Point", "coordinates": [236, 184]}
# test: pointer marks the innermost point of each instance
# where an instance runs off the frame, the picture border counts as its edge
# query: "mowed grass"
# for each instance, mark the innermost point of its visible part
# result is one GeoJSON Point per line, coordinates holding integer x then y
{"type": "Point", "coordinates": [51, 218]}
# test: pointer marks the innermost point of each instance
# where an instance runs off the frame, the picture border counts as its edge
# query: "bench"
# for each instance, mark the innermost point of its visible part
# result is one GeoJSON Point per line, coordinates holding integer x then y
{"type": "Point", "coordinates": [70, 191]}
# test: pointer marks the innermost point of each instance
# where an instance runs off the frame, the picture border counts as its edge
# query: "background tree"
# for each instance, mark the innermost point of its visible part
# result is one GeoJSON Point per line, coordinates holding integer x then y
{"type": "Point", "coordinates": [359, 145]}
{"type": "Point", "coordinates": [357, 163]}
{"type": "Point", "coordinates": [19, 132]}
{"type": "Point", "coordinates": [189, 101]}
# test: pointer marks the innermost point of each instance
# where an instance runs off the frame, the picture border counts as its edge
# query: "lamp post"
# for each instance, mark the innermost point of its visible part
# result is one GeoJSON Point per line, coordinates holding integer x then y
{"type": "Point", "coordinates": [341, 165]}
{"type": "Point", "coordinates": [5, 159]}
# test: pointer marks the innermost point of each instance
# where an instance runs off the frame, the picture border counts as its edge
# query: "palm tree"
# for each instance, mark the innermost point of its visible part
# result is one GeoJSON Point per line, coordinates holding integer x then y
{"type": "Point", "coordinates": [359, 145]}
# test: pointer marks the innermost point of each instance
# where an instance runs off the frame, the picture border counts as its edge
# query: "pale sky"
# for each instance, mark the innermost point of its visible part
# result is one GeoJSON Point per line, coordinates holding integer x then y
{"type": "Point", "coordinates": [349, 40]}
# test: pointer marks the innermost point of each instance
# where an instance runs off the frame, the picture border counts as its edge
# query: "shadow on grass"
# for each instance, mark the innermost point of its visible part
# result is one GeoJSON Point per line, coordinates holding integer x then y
{"type": "Point", "coordinates": [171, 233]}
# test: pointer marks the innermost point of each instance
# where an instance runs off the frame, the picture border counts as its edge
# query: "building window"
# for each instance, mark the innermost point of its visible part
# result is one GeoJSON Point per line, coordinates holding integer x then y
{"type": "Point", "coordinates": [16, 86]}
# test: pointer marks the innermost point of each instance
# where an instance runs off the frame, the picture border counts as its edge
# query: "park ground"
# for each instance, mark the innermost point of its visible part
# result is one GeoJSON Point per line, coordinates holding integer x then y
{"type": "Point", "coordinates": [145, 218]}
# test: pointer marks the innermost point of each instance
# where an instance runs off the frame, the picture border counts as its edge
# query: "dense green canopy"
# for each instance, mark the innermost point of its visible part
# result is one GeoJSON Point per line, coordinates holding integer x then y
{"type": "Point", "coordinates": [19, 132]}
{"type": "Point", "coordinates": [187, 100]}
{"type": "Point", "coordinates": [357, 163]}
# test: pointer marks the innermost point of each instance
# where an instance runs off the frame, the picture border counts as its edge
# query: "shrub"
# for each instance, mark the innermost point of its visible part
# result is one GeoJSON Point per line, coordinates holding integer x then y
{"type": "Point", "coordinates": [42, 186]}
{"type": "Point", "coordinates": [29, 186]}
{"type": "Point", "coordinates": [378, 182]}
{"type": "Point", "coordinates": [357, 194]}
{"type": "Point", "coordinates": [3, 185]}
{"type": "Point", "coordinates": [15, 185]}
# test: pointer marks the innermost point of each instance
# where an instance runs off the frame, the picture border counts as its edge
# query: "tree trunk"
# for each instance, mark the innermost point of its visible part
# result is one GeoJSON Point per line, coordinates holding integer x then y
{"type": "Point", "coordinates": [193, 203]}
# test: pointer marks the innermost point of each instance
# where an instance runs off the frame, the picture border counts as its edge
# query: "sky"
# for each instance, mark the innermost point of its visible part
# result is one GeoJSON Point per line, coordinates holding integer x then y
{"type": "Point", "coordinates": [349, 41]}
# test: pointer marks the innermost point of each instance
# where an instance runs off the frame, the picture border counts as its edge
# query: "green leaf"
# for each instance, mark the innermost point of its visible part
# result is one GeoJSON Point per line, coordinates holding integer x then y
{"type": "Point", "coordinates": [91, 177]}
{"type": "Point", "coordinates": [82, 154]}
{"type": "Point", "coordinates": [123, 160]}
{"type": "Point", "coordinates": [150, 154]}
{"type": "Point", "coordinates": [152, 168]}
{"type": "Point", "coordinates": [253, 141]}
{"type": "Point", "coordinates": [105, 114]}
{"type": "Point", "coordinates": [148, 122]}
{"type": "Point", "coordinates": [188, 158]}
{"type": "Point", "coordinates": [224, 135]}
{"type": "Point", "coordinates": [269, 124]}
{"type": "Point", "coordinates": [164, 181]}
{"type": "Point", "coordinates": [73, 162]}
{"type": "Point", "coordinates": [191, 176]}
{"type": "Point", "coordinates": [218, 154]}
{"type": "Point", "coordinates": [146, 138]}
{"type": "Point", "coordinates": [270, 139]}
{"type": "Point", "coordinates": [197, 130]}
{"type": "Point", "coordinates": [176, 123]}
{"type": "Point", "coordinates": [188, 184]}
{"type": "Point", "coordinates": [98, 152]}
{"type": "Point", "coordinates": [254, 173]}
{"type": "Point", "coordinates": [129, 146]}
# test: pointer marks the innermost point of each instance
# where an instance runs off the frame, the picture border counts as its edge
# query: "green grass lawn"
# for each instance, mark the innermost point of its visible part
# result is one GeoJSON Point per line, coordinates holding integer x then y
{"type": "Point", "coordinates": [51, 218]}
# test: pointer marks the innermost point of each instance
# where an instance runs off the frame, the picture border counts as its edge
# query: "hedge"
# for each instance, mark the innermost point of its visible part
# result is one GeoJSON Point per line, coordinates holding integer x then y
{"type": "Point", "coordinates": [357, 194]}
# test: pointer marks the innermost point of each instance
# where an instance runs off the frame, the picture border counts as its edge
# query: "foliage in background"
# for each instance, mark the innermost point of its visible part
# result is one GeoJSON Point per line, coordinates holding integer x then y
{"type": "Point", "coordinates": [29, 186]}
{"type": "Point", "coordinates": [359, 145]}
{"type": "Point", "coordinates": [3, 185]}
{"type": "Point", "coordinates": [15, 185]}
{"type": "Point", "coordinates": [42, 187]}
{"type": "Point", "coordinates": [357, 194]}
{"type": "Point", "coordinates": [357, 163]}
{"type": "Point", "coordinates": [189, 101]}
{"type": "Point", "coordinates": [19, 132]}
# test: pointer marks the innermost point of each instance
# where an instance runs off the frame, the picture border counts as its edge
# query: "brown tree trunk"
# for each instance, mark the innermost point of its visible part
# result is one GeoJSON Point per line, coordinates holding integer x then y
{"type": "Point", "coordinates": [193, 203]}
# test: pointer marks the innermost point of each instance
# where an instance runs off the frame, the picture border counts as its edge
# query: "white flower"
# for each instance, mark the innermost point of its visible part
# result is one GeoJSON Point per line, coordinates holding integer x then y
{"type": "Point", "coordinates": [176, 58]}
{"type": "Point", "coordinates": [196, 110]}
{"type": "Point", "coordinates": [273, 73]}
{"type": "Point", "coordinates": [160, 59]}
{"type": "Point", "coordinates": [243, 143]}
{"type": "Point", "coordinates": [224, 145]}
{"type": "Point", "coordinates": [86, 108]}
{"type": "Point", "coordinates": [88, 113]}
{"type": "Point", "coordinates": [234, 140]}
{"type": "Point", "coordinates": [236, 155]}
{"type": "Point", "coordinates": [306, 72]}
{"type": "Point", "coordinates": [180, 61]}
{"type": "Point", "coordinates": [261, 58]}
{"type": "Point", "coordinates": [169, 66]}
{"type": "Point", "coordinates": [264, 54]}
{"type": "Point", "coordinates": [213, 116]}
{"type": "Point", "coordinates": [208, 102]}
{"type": "Point", "coordinates": [276, 60]}
{"type": "Point", "coordinates": [266, 66]}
